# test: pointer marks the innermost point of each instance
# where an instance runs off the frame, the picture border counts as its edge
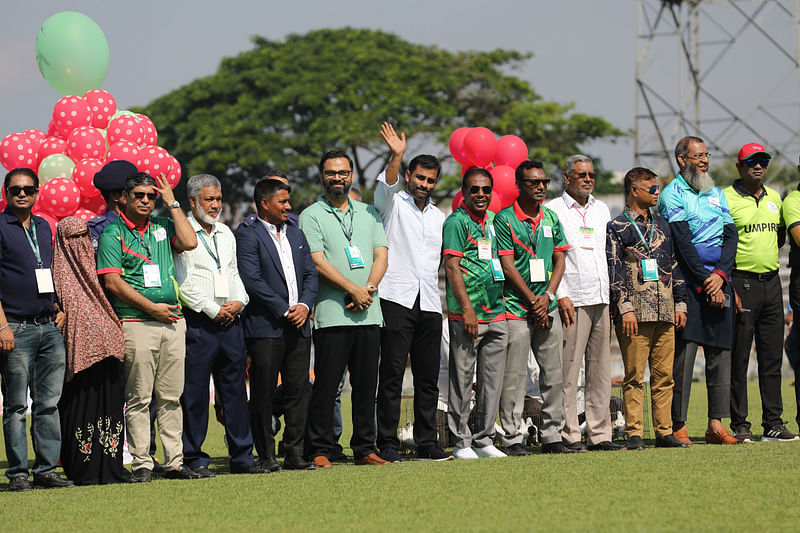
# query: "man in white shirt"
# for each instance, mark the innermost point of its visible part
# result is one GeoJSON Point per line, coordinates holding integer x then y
{"type": "Point", "coordinates": [583, 298]}
{"type": "Point", "coordinates": [412, 308]}
{"type": "Point", "coordinates": [213, 296]}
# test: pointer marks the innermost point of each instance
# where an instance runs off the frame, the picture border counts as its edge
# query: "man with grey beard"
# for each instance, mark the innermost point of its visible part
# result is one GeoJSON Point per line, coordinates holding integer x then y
{"type": "Point", "coordinates": [705, 240]}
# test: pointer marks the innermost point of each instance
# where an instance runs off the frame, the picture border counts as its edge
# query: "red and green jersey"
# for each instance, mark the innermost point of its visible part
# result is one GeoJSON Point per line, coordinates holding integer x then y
{"type": "Point", "coordinates": [127, 249]}
{"type": "Point", "coordinates": [461, 234]}
{"type": "Point", "coordinates": [528, 238]}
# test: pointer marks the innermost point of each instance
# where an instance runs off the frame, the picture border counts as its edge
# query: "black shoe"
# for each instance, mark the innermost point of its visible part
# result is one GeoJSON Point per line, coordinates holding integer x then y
{"type": "Point", "coordinates": [203, 472]}
{"type": "Point", "coordinates": [557, 447]}
{"type": "Point", "coordinates": [51, 480]}
{"type": "Point", "coordinates": [669, 441]}
{"type": "Point", "coordinates": [19, 484]}
{"type": "Point", "coordinates": [635, 442]}
{"type": "Point", "coordinates": [776, 433]}
{"type": "Point", "coordinates": [157, 467]}
{"type": "Point", "coordinates": [270, 464]}
{"type": "Point", "coordinates": [434, 453]}
{"type": "Point", "coordinates": [293, 462]}
{"type": "Point", "coordinates": [339, 457]}
{"type": "Point", "coordinates": [182, 472]}
{"type": "Point", "coordinates": [605, 446]}
{"type": "Point", "coordinates": [141, 475]}
{"type": "Point", "coordinates": [577, 446]}
{"type": "Point", "coordinates": [252, 468]}
{"type": "Point", "coordinates": [390, 455]}
{"type": "Point", "coordinates": [517, 450]}
{"type": "Point", "coordinates": [742, 434]}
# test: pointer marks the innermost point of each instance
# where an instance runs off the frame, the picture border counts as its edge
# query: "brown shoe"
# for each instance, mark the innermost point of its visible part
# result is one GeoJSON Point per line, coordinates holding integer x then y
{"type": "Point", "coordinates": [720, 437]}
{"type": "Point", "coordinates": [320, 461]}
{"type": "Point", "coordinates": [682, 435]}
{"type": "Point", "coordinates": [371, 459]}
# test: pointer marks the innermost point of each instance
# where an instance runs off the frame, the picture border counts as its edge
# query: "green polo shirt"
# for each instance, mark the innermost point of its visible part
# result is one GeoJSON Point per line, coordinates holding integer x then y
{"type": "Point", "coordinates": [790, 214]}
{"type": "Point", "coordinates": [528, 238]}
{"type": "Point", "coordinates": [125, 249]}
{"type": "Point", "coordinates": [757, 222]}
{"type": "Point", "coordinates": [460, 235]}
{"type": "Point", "coordinates": [326, 229]}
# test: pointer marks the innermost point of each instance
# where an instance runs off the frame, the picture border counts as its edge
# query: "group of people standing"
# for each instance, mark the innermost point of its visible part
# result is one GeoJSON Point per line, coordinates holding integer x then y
{"type": "Point", "coordinates": [142, 311]}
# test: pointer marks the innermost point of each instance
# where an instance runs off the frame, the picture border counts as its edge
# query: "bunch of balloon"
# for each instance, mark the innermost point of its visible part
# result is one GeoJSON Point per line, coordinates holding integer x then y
{"type": "Point", "coordinates": [478, 147]}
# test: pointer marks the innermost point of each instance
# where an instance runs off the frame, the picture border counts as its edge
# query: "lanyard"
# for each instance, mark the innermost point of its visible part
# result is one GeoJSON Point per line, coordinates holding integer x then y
{"type": "Point", "coordinates": [534, 237]}
{"type": "Point", "coordinates": [140, 238]}
{"type": "Point", "coordinates": [583, 215]}
{"type": "Point", "coordinates": [214, 256]}
{"type": "Point", "coordinates": [348, 233]}
{"type": "Point", "coordinates": [647, 245]}
{"type": "Point", "coordinates": [33, 240]}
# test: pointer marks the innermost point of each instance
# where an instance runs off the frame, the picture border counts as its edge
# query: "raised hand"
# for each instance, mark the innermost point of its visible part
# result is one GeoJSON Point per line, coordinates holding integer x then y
{"type": "Point", "coordinates": [396, 144]}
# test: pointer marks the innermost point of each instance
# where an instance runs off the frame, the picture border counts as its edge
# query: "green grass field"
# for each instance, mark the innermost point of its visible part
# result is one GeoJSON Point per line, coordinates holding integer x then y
{"type": "Point", "coordinates": [701, 488]}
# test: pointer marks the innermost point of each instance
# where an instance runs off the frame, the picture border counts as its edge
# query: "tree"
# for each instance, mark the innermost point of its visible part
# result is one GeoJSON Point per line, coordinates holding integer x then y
{"type": "Point", "coordinates": [284, 103]}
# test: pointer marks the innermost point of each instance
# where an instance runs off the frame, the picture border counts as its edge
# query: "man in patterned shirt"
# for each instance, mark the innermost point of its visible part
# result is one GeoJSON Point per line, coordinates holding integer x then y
{"type": "Point", "coordinates": [648, 302]}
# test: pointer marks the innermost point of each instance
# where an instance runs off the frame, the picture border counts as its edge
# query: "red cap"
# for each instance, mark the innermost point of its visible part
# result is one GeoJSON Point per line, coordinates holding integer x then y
{"type": "Point", "coordinates": [751, 149]}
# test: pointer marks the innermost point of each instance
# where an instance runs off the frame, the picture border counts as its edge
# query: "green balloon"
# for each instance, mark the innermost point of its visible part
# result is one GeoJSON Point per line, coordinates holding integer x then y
{"type": "Point", "coordinates": [55, 166]}
{"type": "Point", "coordinates": [72, 53]}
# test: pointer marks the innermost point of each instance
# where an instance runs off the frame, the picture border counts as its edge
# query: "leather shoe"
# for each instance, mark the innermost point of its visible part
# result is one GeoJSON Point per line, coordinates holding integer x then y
{"type": "Point", "coordinates": [557, 447]}
{"type": "Point", "coordinates": [251, 468]}
{"type": "Point", "coordinates": [720, 437]}
{"type": "Point", "coordinates": [371, 459]}
{"type": "Point", "coordinates": [203, 472]}
{"type": "Point", "coordinates": [19, 484]}
{"type": "Point", "coordinates": [682, 435]}
{"type": "Point", "coordinates": [182, 472]}
{"type": "Point", "coordinates": [576, 446]}
{"type": "Point", "coordinates": [141, 475]}
{"type": "Point", "coordinates": [605, 446]}
{"type": "Point", "coordinates": [51, 480]}
{"type": "Point", "coordinates": [320, 461]}
{"type": "Point", "coordinates": [270, 464]}
{"type": "Point", "coordinates": [293, 462]}
{"type": "Point", "coordinates": [669, 441]}
{"type": "Point", "coordinates": [635, 442]}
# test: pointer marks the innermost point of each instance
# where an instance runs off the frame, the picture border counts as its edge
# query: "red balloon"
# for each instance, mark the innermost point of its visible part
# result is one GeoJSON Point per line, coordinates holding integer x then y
{"type": "Point", "coordinates": [3, 205]}
{"type": "Point", "coordinates": [51, 221]}
{"type": "Point", "coordinates": [59, 197]}
{"type": "Point", "coordinates": [19, 151]}
{"type": "Point", "coordinates": [456, 145]}
{"type": "Point", "coordinates": [52, 145]}
{"type": "Point", "coordinates": [86, 142]}
{"type": "Point", "coordinates": [95, 204]}
{"type": "Point", "coordinates": [511, 151]}
{"type": "Point", "coordinates": [155, 161]}
{"type": "Point", "coordinates": [124, 151]}
{"type": "Point", "coordinates": [83, 176]}
{"type": "Point", "coordinates": [505, 184]}
{"type": "Point", "coordinates": [479, 144]}
{"type": "Point", "coordinates": [458, 199]}
{"type": "Point", "coordinates": [35, 135]}
{"type": "Point", "coordinates": [149, 129]}
{"type": "Point", "coordinates": [125, 128]}
{"type": "Point", "coordinates": [175, 174]}
{"type": "Point", "coordinates": [497, 202]}
{"type": "Point", "coordinates": [69, 113]}
{"type": "Point", "coordinates": [84, 214]}
{"type": "Point", "coordinates": [103, 107]}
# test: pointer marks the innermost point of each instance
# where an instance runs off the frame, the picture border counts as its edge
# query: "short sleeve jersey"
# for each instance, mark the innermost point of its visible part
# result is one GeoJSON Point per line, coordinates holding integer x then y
{"type": "Point", "coordinates": [757, 222]}
{"type": "Point", "coordinates": [128, 250]}
{"type": "Point", "coordinates": [790, 214]}
{"type": "Point", "coordinates": [461, 234]}
{"type": "Point", "coordinates": [528, 238]}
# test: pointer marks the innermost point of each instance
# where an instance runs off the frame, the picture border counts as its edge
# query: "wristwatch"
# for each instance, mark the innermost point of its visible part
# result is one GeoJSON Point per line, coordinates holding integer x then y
{"type": "Point", "coordinates": [174, 204]}
{"type": "Point", "coordinates": [551, 296]}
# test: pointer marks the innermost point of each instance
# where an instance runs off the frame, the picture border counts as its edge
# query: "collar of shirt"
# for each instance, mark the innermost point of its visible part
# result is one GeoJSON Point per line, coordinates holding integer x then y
{"type": "Point", "coordinates": [196, 226]}
{"type": "Point", "coordinates": [410, 199]}
{"type": "Point", "coordinates": [739, 188]}
{"type": "Point", "coordinates": [272, 228]}
{"type": "Point", "coordinates": [570, 201]}
{"type": "Point", "coordinates": [476, 218]}
{"type": "Point", "coordinates": [635, 215]}
{"type": "Point", "coordinates": [522, 216]}
{"type": "Point", "coordinates": [128, 222]}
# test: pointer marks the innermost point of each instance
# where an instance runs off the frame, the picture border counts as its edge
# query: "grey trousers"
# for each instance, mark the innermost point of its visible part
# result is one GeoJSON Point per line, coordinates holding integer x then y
{"type": "Point", "coordinates": [718, 380]}
{"type": "Point", "coordinates": [589, 336]}
{"type": "Point", "coordinates": [546, 345]}
{"type": "Point", "coordinates": [487, 355]}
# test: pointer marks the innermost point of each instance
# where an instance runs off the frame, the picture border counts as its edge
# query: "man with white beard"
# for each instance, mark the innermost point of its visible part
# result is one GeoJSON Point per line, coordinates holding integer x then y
{"type": "Point", "coordinates": [213, 296]}
{"type": "Point", "coordinates": [705, 239]}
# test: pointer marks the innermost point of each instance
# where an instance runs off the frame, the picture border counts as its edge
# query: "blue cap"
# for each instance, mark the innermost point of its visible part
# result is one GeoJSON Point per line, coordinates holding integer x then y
{"type": "Point", "coordinates": [112, 176]}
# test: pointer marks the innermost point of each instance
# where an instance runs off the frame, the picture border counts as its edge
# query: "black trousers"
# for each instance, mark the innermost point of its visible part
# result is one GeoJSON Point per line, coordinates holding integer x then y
{"type": "Point", "coordinates": [762, 318]}
{"type": "Point", "coordinates": [290, 356]}
{"type": "Point", "coordinates": [354, 347]}
{"type": "Point", "coordinates": [794, 301]}
{"type": "Point", "coordinates": [419, 334]}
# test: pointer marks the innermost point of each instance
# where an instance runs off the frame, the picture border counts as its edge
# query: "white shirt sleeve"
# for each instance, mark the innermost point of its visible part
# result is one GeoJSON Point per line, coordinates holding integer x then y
{"type": "Point", "coordinates": [384, 195]}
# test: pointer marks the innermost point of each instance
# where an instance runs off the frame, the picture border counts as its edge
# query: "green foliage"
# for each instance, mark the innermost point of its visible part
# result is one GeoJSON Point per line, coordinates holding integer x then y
{"type": "Point", "coordinates": [284, 103]}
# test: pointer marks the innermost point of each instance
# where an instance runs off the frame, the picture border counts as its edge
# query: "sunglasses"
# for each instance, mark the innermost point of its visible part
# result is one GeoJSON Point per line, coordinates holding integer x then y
{"type": "Point", "coordinates": [535, 183]}
{"type": "Point", "coordinates": [29, 190]}
{"type": "Point", "coordinates": [150, 195]}
{"type": "Point", "coordinates": [753, 161]}
{"type": "Point", "coordinates": [653, 189]}
{"type": "Point", "coordinates": [475, 189]}
{"type": "Point", "coordinates": [333, 173]}
{"type": "Point", "coordinates": [584, 175]}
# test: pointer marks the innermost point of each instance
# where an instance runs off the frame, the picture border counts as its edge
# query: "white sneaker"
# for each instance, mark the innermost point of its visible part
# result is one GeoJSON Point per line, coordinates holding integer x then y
{"type": "Point", "coordinates": [488, 451]}
{"type": "Point", "coordinates": [464, 453]}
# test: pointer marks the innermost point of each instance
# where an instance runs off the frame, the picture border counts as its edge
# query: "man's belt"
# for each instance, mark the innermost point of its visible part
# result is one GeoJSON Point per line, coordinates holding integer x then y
{"type": "Point", "coordinates": [39, 320]}
{"type": "Point", "coordinates": [764, 276]}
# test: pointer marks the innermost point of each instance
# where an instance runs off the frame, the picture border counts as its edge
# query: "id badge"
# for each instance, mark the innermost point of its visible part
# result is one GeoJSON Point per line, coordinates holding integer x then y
{"type": "Point", "coordinates": [220, 286]}
{"type": "Point", "coordinates": [44, 280]}
{"type": "Point", "coordinates": [649, 270]}
{"type": "Point", "coordinates": [587, 238]}
{"type": "Point", "coordinates": [537, 270]}
{"type": "Point", "coordinates": [152, 276]}
{"type": "Point", "coordinates": [547, 231]}
{"type": "Point", "coordinates": [354, 257]}
{"type": "Point", "coordinates": [497, 270]}
{"type": "Point", "coordinates": [484, 249]}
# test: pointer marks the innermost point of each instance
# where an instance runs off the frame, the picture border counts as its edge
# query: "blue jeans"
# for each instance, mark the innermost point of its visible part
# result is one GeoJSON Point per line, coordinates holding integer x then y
{"type": "Point", "coordinates": [37, 361]}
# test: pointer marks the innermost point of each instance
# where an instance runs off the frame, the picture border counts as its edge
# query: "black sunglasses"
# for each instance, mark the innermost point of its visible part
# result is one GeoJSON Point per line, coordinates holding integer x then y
{"type": "Point", "coordinates": [535, 183]}
{"type": "Point", "coordinates": [753, 161]}
{"type": "Point", "coordinates": [486, 189]}
{"type": "Point", "coordinates": [584, 175]}
{"type": "Point", "coordinates": [150, 195]}
{"type": "Point", "coordinates": [29, 190]}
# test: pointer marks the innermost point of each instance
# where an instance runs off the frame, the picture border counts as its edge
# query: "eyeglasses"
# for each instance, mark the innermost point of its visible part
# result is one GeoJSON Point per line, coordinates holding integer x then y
{"type": "Point", "coordinates": [333, 173]}
{"type": "Point", "coordinates": [150, 196]}
{"type": "Point", "coordinates": [584, 175]}
{"type": "Point", "coordinates": [753, 161]}
{"type": "Point", "coordinates": [29, 190]}
{"type": "Point", "coordinates": [475, 189]}
{"type": "Point", "coordinates": [535, 183]}
{"type": "Point", "coordinates": [698, 157]}
{"type": "Point", "coordinates": [650, 190]}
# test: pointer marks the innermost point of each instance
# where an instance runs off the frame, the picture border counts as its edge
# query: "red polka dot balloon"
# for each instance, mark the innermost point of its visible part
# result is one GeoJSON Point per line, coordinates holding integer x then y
{"type": "Point", "coordinates": [155, 161]}
{"type": "Point", "coordinates": [52, 145]}
{"type": "Point", "coordinates": [19, 151]}
{"type": "Point", "coordinates": [71, 112]}
{"type": "Point", "coordinates": [149, 129]}
{"type": "Point", "coordinates": [52, 131]}
{"type": "Point", "coordinates": [86, 142]}
{"type": "Point", "coordinates": [84, 214]}
{"type": "Point", "coordinates": [125, 151]}
{"type": "Point", "coordinates": [95, 204]}
{"type": "Point", "coordinates": [35, 135]}
{"type": "Point", "coordinates": [83, 176]}
{"type": "Point", "coordinates": [103, 107]}
{"type": "Point", "coordinates": [125, 128]}
{"type": "Point", "coordinates": [59, 197]}
{"type": "Point", "coordinates": [175, 174]}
